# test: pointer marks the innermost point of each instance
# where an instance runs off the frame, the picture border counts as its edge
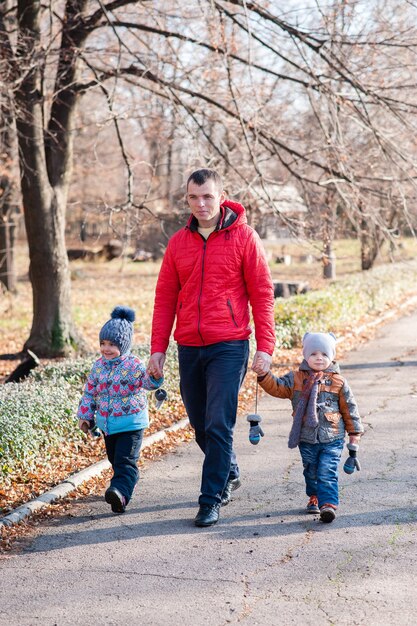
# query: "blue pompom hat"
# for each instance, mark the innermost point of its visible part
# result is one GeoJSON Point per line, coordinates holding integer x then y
{"type": "Point", "coordinates": [119, 329]}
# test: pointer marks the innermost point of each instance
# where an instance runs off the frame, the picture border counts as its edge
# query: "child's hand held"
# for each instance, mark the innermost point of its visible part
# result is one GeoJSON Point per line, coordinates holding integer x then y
{"type": "Point", "coordinates": [261, 363]}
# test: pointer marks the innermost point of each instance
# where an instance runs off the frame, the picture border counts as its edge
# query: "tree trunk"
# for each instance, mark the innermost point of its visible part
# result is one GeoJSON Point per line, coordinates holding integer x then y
{"type": "Point", "coordinates": [45, 172]}
{"type": "Point", "coordinates": [369, 250]}
{"type": "Point", "coordinates": [8, 193]}
{"type": "Point", "coordinates": [52, 333]}
{"type": "Point", "coordinates": [329, 261]}
{"type": "Point", "coordinates": [328, 232]}
{"type": "Point", "coordinates": [7, 269]}
{"type": "Point", "coordinates": [370, 240]}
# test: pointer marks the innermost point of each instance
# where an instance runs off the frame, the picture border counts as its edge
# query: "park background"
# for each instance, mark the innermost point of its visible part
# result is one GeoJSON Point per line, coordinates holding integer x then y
{"type": "Point", "coordinates": [307, 111]}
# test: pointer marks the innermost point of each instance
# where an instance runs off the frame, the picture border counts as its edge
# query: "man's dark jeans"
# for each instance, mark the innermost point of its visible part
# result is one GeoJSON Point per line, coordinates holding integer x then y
{"type": "Point", "coordinates": [210, 378]}
{"type": "Point", "coordinates": [123, 452]}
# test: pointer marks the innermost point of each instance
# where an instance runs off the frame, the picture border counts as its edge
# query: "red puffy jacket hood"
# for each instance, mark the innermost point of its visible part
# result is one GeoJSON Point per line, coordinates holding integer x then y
{"type": "Point", "coordinates": [207, 286]}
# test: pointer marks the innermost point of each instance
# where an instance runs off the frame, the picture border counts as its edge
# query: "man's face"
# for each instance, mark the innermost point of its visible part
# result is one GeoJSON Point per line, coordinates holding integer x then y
{"type": "Point", "coordinates": [204, 202]}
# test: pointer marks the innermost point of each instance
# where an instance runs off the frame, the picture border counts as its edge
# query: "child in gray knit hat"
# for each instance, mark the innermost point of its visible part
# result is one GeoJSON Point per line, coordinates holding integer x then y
{"type": "Point", "coordinates": [115, 399]}
{"type": "Point", "coordinates": [324, 409]}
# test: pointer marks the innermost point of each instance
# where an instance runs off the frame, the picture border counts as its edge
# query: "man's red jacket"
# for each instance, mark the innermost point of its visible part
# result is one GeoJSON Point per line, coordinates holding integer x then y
{"type": "Point", "coordinates": [208, 284]}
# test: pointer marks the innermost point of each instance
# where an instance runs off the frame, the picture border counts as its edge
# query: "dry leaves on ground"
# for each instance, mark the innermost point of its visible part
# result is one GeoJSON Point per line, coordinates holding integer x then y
{"type": "Point", "coordinates": [74, 458]}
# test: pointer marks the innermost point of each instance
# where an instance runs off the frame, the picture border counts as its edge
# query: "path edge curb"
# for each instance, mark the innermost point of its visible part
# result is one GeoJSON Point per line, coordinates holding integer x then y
{"type": "Point", "coordinates": [75, 480]}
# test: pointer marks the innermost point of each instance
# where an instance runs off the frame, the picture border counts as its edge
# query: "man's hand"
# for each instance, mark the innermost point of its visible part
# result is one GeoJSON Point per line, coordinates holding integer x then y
{"type": "Point", "coordinates": [261, 363]}
{"type": "Point", "coordinates": [156, 365]}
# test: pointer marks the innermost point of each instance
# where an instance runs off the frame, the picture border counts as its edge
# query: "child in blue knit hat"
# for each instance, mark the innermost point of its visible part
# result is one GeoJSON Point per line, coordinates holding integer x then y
{"type": "Point", "coordinates": [324, 409]}
{"type": "Point", "coordinates": [115, 399]}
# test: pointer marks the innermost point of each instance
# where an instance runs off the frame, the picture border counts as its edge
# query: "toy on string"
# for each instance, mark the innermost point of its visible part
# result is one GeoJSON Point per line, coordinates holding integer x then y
{"type": "Point", "coordinates": [254, 419]}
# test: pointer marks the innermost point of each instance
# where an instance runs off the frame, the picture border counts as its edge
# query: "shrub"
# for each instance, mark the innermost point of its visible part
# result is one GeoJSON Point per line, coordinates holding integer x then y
{"type": "Point", "coordinates": [35, 417]}
{"type": "Point", "coordinates": [39, 414]}
{"type": "Point", "coordinates": [343, 303]}
{"type": "Point", "coordinates": [73, 371]}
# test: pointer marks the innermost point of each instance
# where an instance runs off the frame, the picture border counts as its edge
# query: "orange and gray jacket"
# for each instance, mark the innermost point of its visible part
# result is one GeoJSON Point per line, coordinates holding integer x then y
{"type": "Point", "coordinates": [337, 410]}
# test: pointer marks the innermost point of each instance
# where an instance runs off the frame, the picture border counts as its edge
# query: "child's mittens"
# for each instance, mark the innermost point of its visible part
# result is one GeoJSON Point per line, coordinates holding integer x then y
{"type": "Point", "coordinates": [160, 397]}
{"type": "Point", "coordinates": [352, 462]}
{"type": "Point", "coordinates": [255, 430]}
{"type": "Point", "coordinates": [94, 430]}
{"type": "Point", "coordinates": [255, 434]}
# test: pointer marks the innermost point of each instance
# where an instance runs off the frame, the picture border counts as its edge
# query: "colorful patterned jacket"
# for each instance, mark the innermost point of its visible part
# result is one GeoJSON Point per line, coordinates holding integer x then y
{"type": "Point", "coordinates": [115, 394]}
{"type": "Point", "coordinates": [337, 410]}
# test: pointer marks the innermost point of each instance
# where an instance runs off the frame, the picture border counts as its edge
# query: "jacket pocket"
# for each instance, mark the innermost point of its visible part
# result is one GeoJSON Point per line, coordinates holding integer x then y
{"type": "Point", "coordinates": [179, 307]}
{"type": "Point", "coordinates": [232, 314]}
{"type": "Point", "coordinates": [333, 417]}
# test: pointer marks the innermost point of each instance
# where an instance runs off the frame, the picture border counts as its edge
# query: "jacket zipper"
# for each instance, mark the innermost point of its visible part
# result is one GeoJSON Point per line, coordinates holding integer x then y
{"type": "Point", "coordinates": [201, 286]}
{"type": "Point", "coordinates": [229, 304]}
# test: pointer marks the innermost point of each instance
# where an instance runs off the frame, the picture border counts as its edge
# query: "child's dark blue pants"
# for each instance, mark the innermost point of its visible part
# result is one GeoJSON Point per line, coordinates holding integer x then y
{"type": "Point", "coordinates": [123, 451]}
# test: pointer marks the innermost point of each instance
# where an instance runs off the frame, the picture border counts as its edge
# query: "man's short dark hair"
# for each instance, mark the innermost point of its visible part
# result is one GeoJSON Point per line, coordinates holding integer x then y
{"type": "Point", "coordinates": [199, 177]}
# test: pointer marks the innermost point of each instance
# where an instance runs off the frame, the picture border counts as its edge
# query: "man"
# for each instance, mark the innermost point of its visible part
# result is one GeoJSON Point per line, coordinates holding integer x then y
{"type": "Point", "coordinates": [211, 270]}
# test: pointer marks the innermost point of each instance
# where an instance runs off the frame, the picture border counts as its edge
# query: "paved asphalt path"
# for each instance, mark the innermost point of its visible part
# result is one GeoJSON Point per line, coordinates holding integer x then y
{"type": "Point", "coordinates": [266, 561]}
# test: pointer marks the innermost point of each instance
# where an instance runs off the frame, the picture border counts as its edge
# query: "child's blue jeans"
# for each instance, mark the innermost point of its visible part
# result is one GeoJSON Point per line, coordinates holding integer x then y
{"type": "Point", "coordinates": [123, 452]}
{"type": "Point", "coordinates": [321, 469]}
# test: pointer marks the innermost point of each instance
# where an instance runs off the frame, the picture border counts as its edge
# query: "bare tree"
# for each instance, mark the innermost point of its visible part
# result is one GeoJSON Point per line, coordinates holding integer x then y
{"type": "Point", "coordinates": [8, 193]}
{"type": "Point", "coordinates": [45, 155]}
{"type": "Point", "coordinates": [8, 198]}
{"type": "Point", "coordinates": [263, 77]}
{"type": "Point", "coordinates": [240, 79]}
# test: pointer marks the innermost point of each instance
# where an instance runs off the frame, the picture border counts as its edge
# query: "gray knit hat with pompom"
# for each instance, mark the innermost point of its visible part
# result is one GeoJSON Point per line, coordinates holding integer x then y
{"type": "Point", "coordinates": [119, 329]}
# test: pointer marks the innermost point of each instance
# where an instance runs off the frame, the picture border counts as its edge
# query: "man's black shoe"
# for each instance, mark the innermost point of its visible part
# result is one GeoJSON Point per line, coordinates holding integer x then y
{"type": "Point", "coordinates": [115, 499]}
{"type": "Point", "coordinates": [231, 485]}
{"type": "Point", "coordinates": [208, 514]}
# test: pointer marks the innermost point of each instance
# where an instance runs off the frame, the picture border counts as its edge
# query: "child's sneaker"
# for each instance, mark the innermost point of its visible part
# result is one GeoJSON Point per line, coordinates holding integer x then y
{"type": "Point", "coordinates": [115, 499]}
{"type": "Point", "coordinates": [313, 505]}
{"type": "Point", "coordinates": [327, 513]}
